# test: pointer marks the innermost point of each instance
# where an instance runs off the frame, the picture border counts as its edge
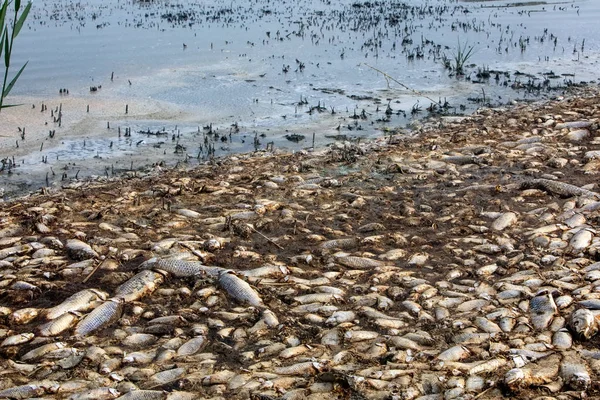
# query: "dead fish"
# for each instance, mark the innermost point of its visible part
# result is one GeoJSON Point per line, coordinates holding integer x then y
{"type": "Point", "coordinates": [592, 304]}
{"type": "Point", "coordinates": [239, 289]}
{"type": "Point", "coordinates": [79, 250]}
{"type": "Point", "coordinates": [138, 340]}
{"type": "Point", "coordinates": [59, 325]}
{"type": "Point", "coordinates": [562, 339]}
{"type": "Point", "coordinates": [192, 346]}
{"type": "Point", "coordinates": [488, 366]}
{"type": "Point", "coordinates": [164, 378]}
{"type": "Point", "coordinates": [455, 353]}
{"type": "Point", "coordinates": [303, 368]}
{"type": "Point", "coordinates": [18, 339]}
{"type": "Point", "coordinates": [359, 262]}
{"type": "Point", "coordinates": [80, 301]}
{"type": "Point", "coordinates": [372, 227]}
{"type": "Point", "coordinates": [574, 373]}
{"type": "Point", "coordinates": [583, 323]}
{"type": "Point", "coordinates": [144, 395]}
{"type": "Point", "coordinates": [542, 310]}
{"type": "Point", "coordinates": [100, 317]}
{"type": "Point", "coordinates": [316, 298]}
{"type": "Point", "coordinates": [347, 243]}
{"type": "Point", "coordinates": [559, 188]}
{"type": "Point", "coordinates": [504, 221]}
{"type": "Point", "coordinates": [22, 392]}
{"type": "Point", "coordinates": [103, 393]}
{"type": "Point", "coordinates": [266, 271]}
{"type": "Point", "coordinates": [42, 351]}
{"type": "Point", "coordinates": [581, 240]}
{"type": "Point", "coordinates": [181, 268]}
{"type": "Point", "coordinates": [139, 285]}
{"type": "Point", "coordinates": [24, 315]}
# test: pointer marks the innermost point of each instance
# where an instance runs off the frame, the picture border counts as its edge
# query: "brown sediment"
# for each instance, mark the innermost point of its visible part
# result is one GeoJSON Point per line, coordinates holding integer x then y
{"type": "Point", "coordinates": [433, 208]}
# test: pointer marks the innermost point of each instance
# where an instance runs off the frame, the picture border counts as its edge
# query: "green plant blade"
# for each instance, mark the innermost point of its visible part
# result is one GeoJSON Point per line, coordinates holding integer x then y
{"type": "Point", "coordinates": [2, 41]}
{"type": "Point", "coordinates": [6, 49]}
{"type": "Point", "coordinates": [3, 13]}
{"type": "Point", "coordinates": [21, 20]}
{"type": "Point", "coordinates": [17, 5]}
{"type": "Point", "coordinates": [13, 81]}
{"type": "Point", "coordinates": [9, 105]}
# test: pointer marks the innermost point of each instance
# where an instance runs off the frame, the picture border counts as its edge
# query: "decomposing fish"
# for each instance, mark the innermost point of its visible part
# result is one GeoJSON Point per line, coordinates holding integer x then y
{"type": "Point", "coordinates": [139, 285]}
{"type": "Point", "coordinates": [239, 289]}
{"type": "Point", "coordinates": [100, 317]}
{"type": "Point", "coordinates": [80, 301]}
{"type": "Point", "coordinates": [542, 310]}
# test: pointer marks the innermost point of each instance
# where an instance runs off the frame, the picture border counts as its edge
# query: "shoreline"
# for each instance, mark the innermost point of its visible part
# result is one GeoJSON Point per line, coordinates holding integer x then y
{"type": "Point", "coordinates": [130, 164]}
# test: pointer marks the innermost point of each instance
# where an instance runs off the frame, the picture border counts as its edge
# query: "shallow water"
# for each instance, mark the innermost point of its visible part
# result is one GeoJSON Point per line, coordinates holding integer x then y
{"type": "Point", "coordinates": [231, 71]}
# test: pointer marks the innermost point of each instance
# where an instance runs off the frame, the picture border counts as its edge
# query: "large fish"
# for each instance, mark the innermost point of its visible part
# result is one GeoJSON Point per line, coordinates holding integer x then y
{"type": "Point", "coordinates": [181, 268]}
{"type": "Point", "coordinates": [102, 316]}
{"type": "Point", "coordinates": [239, 289]}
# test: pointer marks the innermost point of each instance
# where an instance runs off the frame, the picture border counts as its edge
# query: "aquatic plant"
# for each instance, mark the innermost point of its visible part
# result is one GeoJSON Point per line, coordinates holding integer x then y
{"type": "Point", "coordinates": [459, 58]}
{"type": "Point", "coordinates": [10, 30]}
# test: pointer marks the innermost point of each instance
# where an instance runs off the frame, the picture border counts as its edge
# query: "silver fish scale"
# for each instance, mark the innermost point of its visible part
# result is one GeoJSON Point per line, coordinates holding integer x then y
{"type": "Point", "coordinates": [182, 269]}
{"type": "Point", "coordinates": [239, 289]}
{"type": "Point", "coordinates": [100, 317]}
{"type": "Point", "coordinates": [137, 286]}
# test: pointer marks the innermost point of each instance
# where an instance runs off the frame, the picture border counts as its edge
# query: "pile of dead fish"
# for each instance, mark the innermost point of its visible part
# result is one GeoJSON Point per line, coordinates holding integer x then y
{"type": "Point", "coordinates": [460, 264]}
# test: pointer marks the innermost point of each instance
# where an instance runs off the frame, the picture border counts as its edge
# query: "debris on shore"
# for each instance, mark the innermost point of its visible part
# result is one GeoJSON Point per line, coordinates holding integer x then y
{"type": "Point", "coordinates": [458, 263]}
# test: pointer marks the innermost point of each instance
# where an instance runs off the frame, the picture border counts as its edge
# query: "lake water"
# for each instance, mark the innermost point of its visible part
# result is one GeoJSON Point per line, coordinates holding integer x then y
{"type": "Point", "coordinates": [260, 70]}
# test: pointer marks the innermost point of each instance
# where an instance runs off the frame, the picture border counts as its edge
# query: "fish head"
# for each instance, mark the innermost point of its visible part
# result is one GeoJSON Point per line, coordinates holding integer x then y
{"type": "Point", "coordinates": [580, 381]}
{"type": "Point", "coordinates": [514, 376]}
{"type": "Point", "coordinates": [148, 264]}
{"type": "Point", "coordinates": [583, 324]}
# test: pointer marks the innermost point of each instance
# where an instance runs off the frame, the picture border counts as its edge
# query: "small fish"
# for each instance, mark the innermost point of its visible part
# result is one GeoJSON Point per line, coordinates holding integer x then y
{"type": "Point", "coordinates": [592, 304]}
{"type": "Point", "coordinates": [139, 285]}
{"type": "Point", "coordinates": [15, 340]}
{"type": "Point", "coordinates": [239, 289]}
{"type": "Point", "coordinates": [359, 262]}
{"type": "Point", "coordinates": [542, 310]}
{"type": "Point", "coordinates": [192, 346]}
{"type": "Point", "coordinates": [562, 339]}
{"type": "Point", "coordinates": [164, 378]}
{"type": "Point", "coordinates": [347, 243]}
{"type": "Point", "coordinates": [24, 315]}
{"type": "Point", "coordinates": [42, 350]}
{"type": "Point", "coordinates": [102, 393]}
{"type": "Point", "coordinates": [22, 392]}
{"type": "Point", "coordinates": [574, 372]}
{"type": "Point", "coordinates": [504, 221]}
{"type": "Point", "coordinates": [80, 301]}
{"type": "Point", "coordinates": [455, 353]}
{"type": "Point", "coordinates": [100, 317]}
{"type": "Point", "coordinates": [143, 395]}
{"type": "Point", "coordinates": [59, 325]}
{"type": "Point", "coordinates": [79, 250]}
